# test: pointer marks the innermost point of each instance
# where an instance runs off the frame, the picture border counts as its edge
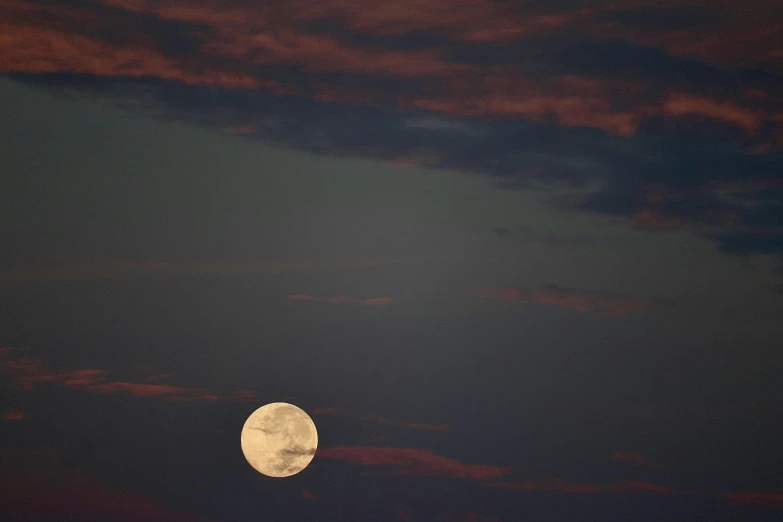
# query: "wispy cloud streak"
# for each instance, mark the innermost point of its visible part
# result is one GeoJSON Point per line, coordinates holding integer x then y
{"type": "Point", "coordinates": [412, 461]}
{"type": "Point", "coordinates": [27, 373]}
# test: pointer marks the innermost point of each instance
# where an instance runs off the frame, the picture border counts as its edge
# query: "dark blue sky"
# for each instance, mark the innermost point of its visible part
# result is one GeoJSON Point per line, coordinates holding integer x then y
{"type": "Point", "coordinates": [518, 260]}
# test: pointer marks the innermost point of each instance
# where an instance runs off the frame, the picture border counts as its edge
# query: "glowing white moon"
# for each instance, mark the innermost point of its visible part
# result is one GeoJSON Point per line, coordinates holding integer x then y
{"type": "Point", "coordinates": [279, 439]}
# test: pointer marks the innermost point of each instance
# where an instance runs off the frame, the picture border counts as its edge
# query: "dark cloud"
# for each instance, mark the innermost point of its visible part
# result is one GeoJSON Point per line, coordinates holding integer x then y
{"type": "Point", "coordinates": [610, 100]}
{"type": "Point", "coordinates": [58, 497]}
{"type": "Point", "coordinates": [663, 16]}
{"type": "Point", "coordinates": [748, 243]}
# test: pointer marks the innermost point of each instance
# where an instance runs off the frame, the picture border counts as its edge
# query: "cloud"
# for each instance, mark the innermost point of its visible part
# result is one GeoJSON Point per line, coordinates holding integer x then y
{"type": "Point", "coordinates": [570, 487]}
{"type": "Point", "coordinates": [631, 459]}
{"type": "Point", "coordinates": [14, 416]}
{"type": "Point", "coordinates": [326, 411]}
{"type": "Point", "coordinates": [50, 37]}
{"type": "Point", "coordinates": [570, 299]}
{"type": "Point", "coordinates": [412, 461]}
{"type": "Point", "coordinates": [414, 426]}
{"type": "Point", "coordinates": [70, 497]}
{"type": "Point", "coordinates": [769, 498]}
{"type": "Point", "coordinates": [27, 373]}
{"type": "Point", "coordinates": [307, 495]}
{"type": "Point", "coordinates": [617, 96]}
{"type": "Point", "coordinates": [377, 301]}
{"type": "Point", "coordinates": [683, 104]}
{"type": "Point", "coordinates": [241, 130]}
{"type": "Point", "coordinates": [213, 46]}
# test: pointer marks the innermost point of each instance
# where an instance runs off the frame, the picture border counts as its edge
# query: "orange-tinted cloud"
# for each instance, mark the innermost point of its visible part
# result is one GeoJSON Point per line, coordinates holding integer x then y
{"type": "Point", "coordinates": [610, 305]}
{"type": "Point", "coordinates": [52, 37]}
{"type": "Point", "coordinates": [27, 373]}
{"type": "Point", "coordinates": [74, 497]}
{"type": "Point", "coordinates": [684, 104]}
{"type": "Point", "coordinates": [412, 461]}
{"type": "Point", "coordinates": [769, 498]}
{"type": "Point", "coordinates": [45, 38]}
{"type": "Point", "coordinates": [14, 416]}
{"type": "Point", "coordinates": [414, 426]}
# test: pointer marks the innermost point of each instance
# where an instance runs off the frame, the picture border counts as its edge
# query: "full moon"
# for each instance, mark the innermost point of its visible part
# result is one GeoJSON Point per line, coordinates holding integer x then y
{"type": "Point", "coordinates": [279, 439]}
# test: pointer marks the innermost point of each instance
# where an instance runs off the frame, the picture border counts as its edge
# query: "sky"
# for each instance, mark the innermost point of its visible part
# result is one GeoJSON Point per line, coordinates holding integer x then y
{"type": "Point", "coordinates": [518, 260]}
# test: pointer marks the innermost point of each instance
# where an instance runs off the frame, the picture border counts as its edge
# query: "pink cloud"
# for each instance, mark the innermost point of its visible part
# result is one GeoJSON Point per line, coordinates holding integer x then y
{"type": "Point", "coordinates": [377, 301]}
{"type": "Point", "coordinates": [412, 461]}
{"type": "Point", "coordinates": [27, 373]}
{"type": "Point", "coordinates": [326, 411]}
{"type": "Point", "coordinates": [679, 104]}
{"type": "Point", "coordinates": [610, 305]}
{"type": "Point", "coordinates": [48, 38]}
{"type": "Point", "coordinates": [632, 459]}
{"type": "Point", "coordinates": [768, 498]}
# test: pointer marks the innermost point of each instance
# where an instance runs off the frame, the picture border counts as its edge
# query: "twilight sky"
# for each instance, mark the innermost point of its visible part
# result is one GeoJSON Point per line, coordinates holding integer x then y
{"type": "Point", "coordinates": [519, 260]}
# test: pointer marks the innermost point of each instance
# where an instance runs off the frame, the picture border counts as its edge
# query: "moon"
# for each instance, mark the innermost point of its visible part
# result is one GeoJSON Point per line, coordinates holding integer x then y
{"type": "Point", "coordinates": [279, 439]}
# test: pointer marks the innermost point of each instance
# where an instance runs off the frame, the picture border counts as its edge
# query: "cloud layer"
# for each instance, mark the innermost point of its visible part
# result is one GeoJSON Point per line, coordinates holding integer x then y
{"type": "Point", "coordinates": [412, 461]}
{"type": "Point", "coordinates": [26, 373]}
{"type": "Point", "coordinates": [667, 114]}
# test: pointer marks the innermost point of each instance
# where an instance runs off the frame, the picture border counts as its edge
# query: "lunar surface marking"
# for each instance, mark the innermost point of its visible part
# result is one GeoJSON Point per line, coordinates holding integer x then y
{"type": "Point", "coordinates": [279, 439]}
